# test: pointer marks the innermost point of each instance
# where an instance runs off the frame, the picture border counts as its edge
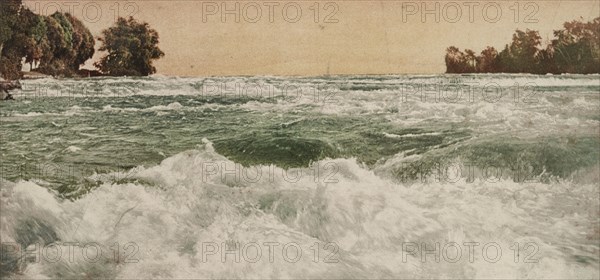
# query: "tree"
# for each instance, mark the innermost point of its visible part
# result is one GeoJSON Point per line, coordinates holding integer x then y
{"type": "Point", "coordinates": [9, 12]}
{"type": "Point", "coordinates": [68, 45]}
{"type": "Point", "coordinates": [57, 47]}
{"type": "Point", "coordinates": [521, 55]}
{"type": "Point", "coordinates": [546, 61]}
{"type": "Point", "coordinates": [455, 61]}
{"type": "Point", "coordinates": [10, 63]}
{"type": "Point", "coordinates": [471, 61]}
{"type": "Point", "coordinates": [33, 28]}
{"type": "Point", "coordinates": [60, 42]}
{"type": "Point", "coordinates": [61, 36]}
{"type": "Point", "coordinates": [131, 47]}
{"type": "Point", "coordinates": [83, 43]}
{"type": "Point", "coordinates": [459, 62]}
{"type": "Point", "coordinates": [487, 62]}
{"type": "Point", "coordinates": [577, 47]}
{"type": "Point", "coordinates": [506, 61]}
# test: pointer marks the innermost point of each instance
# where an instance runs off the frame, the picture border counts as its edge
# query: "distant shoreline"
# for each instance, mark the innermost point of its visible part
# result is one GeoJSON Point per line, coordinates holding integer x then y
{"type": "Point", "coordinates": [33, 75]}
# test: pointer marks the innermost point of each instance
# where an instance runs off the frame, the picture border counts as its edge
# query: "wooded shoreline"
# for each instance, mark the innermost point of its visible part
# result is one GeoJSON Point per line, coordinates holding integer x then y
{"type": "Point", "coordinates": [60, 44]}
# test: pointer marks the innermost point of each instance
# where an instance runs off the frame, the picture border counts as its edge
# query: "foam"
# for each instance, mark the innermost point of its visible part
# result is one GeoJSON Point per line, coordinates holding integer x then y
{"type": "Point", "coordinates": [368, 217]}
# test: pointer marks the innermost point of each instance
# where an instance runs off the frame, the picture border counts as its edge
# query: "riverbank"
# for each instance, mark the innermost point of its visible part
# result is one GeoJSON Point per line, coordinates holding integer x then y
{"type": "Point", "coordinates": [83, 73]}
{"type": "Point", "coordinates": [32, 75]}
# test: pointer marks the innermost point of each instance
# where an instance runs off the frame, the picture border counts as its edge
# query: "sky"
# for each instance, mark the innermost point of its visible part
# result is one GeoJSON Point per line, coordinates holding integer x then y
{"type": "Point", "coordinates": [308, 37]}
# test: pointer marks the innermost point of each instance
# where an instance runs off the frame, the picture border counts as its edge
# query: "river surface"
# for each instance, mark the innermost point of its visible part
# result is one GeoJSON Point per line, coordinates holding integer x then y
{"type": "Point", "coordinates": [426, 176]}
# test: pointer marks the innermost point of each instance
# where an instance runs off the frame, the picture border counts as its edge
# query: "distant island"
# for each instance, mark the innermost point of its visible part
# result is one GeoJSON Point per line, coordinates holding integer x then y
{"type": "Point", "coordinates": [59, 44]}
{"type": "Point", "coordinates": [575, 49]}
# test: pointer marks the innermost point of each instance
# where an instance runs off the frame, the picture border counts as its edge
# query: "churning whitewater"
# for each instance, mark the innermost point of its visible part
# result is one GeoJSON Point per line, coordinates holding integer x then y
{"type": "Point", "coordinates": [439, 176]}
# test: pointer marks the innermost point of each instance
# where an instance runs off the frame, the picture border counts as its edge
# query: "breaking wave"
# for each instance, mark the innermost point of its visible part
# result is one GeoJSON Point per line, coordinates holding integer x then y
{"type": "Point", "coordinates": [172, 220]}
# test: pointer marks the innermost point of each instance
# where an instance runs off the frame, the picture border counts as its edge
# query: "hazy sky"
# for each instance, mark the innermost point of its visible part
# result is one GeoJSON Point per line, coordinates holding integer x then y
{"type": "Point", "coordinates": [344, 37]}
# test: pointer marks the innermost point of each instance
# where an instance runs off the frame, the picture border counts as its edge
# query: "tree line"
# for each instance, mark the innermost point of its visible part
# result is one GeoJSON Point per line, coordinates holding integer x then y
{"type": "Point", "coordinates": [59, 44]}
{"type": "Point", "coordinates": [575, 49]}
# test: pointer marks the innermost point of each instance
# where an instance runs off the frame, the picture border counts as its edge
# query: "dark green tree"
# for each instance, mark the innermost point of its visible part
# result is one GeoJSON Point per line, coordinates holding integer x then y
{"type": "Point", "coordinates": [60, 42]}
{"type": "Point", "coordinates": [521, 55]}
{"type": "Point", "coordinates": [33, 29]}
{"type": "Point", "coordinates": [83, 43]}
{"type": "Point", "coordinates": [10, 62]}
{"type": "Point", "coordinates": [9, 13]}
{"type": "Point", "coordinates": [67, 46]}
{"type": "Point", "coordinates": [546, 61]}
{"type": "Point", "coordinates": [132, 46]}
{"type": "Point", "coordinates": [57, 48]}
{"type": "Point", "coordinates": [61, 36]}
{"type": "Point", "coordinates": [460, 62]}
{"type": "Point", "coordinates": [577, 47]}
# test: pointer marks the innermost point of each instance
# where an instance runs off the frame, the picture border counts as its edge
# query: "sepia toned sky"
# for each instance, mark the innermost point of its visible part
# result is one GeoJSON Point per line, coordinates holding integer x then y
{"type": "Point", "coordinates": [206, 38]}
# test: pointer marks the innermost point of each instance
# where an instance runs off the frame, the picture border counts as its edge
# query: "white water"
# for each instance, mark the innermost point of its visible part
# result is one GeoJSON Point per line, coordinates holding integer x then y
{"type": "Point", "coordinates": [165, 218]}
{"type": "Point", "coordinates": [369, 218]}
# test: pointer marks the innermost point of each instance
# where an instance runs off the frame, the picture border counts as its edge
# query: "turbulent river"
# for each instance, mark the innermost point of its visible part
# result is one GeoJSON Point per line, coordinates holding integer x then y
{"type": "Point", "coordinates": [473, 176]}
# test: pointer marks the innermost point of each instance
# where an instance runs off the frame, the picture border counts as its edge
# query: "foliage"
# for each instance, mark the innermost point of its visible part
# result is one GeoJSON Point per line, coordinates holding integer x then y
{"type": "Point", "coordinates": [576, 49]}
{"type": "Point", "coordinates": [33, 29]}
{"type": "Point", "coordinates": [521, 54]}
{"type": "Point", "coordinates": [60, 43]}
{"type": "Point", "coordinates": [9, 61]}
{"type": "Point", "coordinates": [132, 46]}
{"type": "Point", "coordinates": [9, 11]}
{"type": "Point", "coordinates": [456, 61]}
{"type": "Point", "coordinates": [83, 43]}
{"type": "Point", "coordinates": [488, 61]}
